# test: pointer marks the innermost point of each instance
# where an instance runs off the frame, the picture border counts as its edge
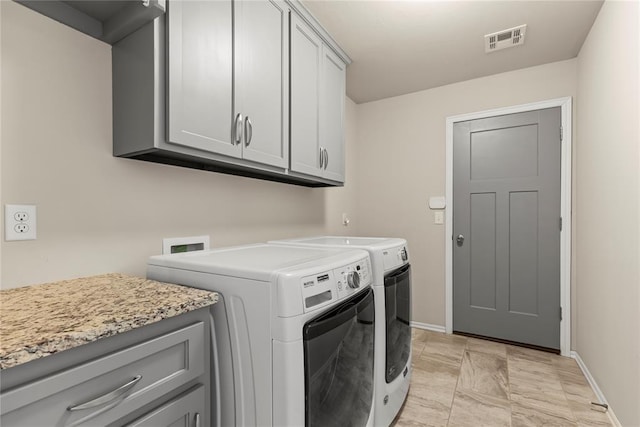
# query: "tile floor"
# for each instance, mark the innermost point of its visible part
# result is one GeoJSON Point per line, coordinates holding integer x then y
{"type": "Point", "coordinates": [459, 381]}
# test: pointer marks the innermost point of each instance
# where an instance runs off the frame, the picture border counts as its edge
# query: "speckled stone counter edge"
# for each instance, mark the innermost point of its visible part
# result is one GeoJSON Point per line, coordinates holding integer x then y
{"type": "Point", "coordinates": [41, 320]}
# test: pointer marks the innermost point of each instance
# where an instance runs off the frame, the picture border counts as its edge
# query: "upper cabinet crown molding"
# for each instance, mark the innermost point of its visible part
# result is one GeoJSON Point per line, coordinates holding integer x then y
{"type": "Point", "coordinates": [108, 21]}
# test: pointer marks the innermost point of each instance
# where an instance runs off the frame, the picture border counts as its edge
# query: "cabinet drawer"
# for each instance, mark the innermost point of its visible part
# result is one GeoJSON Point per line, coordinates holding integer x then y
{"type": "Point", "coordinates": [106, 389]}
{"type": "Point", "coordinates": [185, 411]}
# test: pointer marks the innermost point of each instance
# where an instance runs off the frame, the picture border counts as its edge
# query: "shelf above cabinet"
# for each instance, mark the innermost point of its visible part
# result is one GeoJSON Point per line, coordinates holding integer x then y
{"type": "Point", "coordinates": [106, 20]}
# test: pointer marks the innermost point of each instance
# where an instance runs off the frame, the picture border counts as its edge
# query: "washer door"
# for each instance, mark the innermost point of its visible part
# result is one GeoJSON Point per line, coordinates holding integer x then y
{"type": "Point", "coordinates": [397, 293]}
{"type": "Point", "coordinates": [338, 360]}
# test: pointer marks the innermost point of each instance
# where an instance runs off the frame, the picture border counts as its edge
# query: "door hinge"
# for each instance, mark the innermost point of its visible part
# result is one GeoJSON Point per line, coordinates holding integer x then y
{"type": "Point", "coordinates": [561, 134]}
{"type": "Point", "coordinates": [560, 313]}
{"type": "Point", "coordinates": [560, 223]}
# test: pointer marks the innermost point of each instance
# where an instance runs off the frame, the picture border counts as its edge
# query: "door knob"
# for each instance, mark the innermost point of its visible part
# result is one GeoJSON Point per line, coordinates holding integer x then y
{"type": "Point", "coordinates": [460, 240]}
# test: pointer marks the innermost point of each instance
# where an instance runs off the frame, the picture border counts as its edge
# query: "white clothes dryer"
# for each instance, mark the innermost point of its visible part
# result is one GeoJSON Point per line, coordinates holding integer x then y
{"type": "Point", "coordinates": [392, 292]}
{"type": "Point", "coordinates": [294, 332]}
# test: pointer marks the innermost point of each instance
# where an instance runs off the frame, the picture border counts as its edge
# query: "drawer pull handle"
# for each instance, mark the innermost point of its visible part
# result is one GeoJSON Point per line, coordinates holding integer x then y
{"type": "Point", "coordinates": [106, 398]}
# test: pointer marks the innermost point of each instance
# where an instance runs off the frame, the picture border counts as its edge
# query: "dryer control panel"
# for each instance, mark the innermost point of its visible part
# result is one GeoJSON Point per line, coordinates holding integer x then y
{"type": "Point", "coordinates": [395, 257]}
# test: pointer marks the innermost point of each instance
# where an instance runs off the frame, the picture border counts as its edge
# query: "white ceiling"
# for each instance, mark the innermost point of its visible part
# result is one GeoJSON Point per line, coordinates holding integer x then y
{"type": "Point", "coordinates": [400, 46]}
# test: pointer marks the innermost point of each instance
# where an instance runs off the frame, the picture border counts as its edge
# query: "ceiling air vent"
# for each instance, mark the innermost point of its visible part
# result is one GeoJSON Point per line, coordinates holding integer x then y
{"type": "Point", "coordinates": [504, 39]}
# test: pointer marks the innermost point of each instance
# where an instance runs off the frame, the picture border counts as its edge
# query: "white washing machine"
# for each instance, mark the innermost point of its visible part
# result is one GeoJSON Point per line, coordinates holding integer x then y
{"type": "Point", "coordinates": [294, 332]}
{"type": "Point", "coordinates": [392, 291]}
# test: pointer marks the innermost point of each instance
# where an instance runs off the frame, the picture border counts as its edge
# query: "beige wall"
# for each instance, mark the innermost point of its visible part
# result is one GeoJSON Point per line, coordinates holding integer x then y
{"type": "Point", "coordinates": [607, 207]}
{"type": "Point", "coordinates": [97, 213]}
{"type": "Point", "coordinates": [401, 160]}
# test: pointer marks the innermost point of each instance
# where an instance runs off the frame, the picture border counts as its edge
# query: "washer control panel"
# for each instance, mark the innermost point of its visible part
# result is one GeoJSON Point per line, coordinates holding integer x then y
{"type": "Point", "coordinates": [352, 277]}
{"type": "Point", "coordinates": [327, 287]}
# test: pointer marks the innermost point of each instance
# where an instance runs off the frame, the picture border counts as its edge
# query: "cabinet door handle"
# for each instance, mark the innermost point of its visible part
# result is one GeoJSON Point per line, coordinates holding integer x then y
{"type": "Point", "coordinates": [237, 130]}
{"type": "Point", "coordinates": [108, 397]}
{"type": "Point", "coordinates": [197, 419]}
{"type": "Point", "coordinates": [248, 131]}
{"type": "Point", "coordinates": [321, 157]}
{"type": "Point", "coordinates": [326, 158]}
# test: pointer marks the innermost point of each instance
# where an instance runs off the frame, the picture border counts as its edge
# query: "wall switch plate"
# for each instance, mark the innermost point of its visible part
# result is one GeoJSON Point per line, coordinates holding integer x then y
{"type": "Point", "coordinates": [19, 222]}
{"type": "Point", "coordinates": [438, 217]}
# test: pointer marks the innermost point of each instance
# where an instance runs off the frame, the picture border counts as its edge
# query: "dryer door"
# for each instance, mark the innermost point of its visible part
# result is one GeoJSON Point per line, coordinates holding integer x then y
{"type": "Point", "coordinates": [397, 293]}
{"type": "Point", "coordinates": [338, 362]}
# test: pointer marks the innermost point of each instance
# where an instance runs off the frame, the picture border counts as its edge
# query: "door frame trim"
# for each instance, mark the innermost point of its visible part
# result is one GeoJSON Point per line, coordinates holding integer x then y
{"type": "Point", "coordinates": [565, 208]}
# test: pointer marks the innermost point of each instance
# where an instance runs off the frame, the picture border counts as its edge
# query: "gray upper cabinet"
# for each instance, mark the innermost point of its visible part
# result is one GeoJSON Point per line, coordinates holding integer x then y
{"type": "Point", "coordinates": [317, 105]}
{"type": "Point", "coordinates": [332, 93]}
{"type": "Point", "coordinates": [207, 86]}
{"type": "Point", "coordinates": [261, 83]}
{"type": "Point", "coordinates": [200, 60]}
{"type": "Point", "coordinates": [306, 56]}
{"type": "Point", "coordinates": [203, 113]}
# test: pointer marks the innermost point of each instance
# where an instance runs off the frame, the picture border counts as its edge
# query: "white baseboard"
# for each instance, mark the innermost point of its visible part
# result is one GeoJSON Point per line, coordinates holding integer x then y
{"type": "Point", "coordinates": [428, 327]}
{"type": "Point", "coordinates": [596, 389]}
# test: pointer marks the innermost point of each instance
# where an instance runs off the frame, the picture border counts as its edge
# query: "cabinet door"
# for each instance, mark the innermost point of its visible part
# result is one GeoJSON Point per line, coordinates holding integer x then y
{"type": "Point", "coordinates": [332, 93]}
{"type": "Point", "coordinates": [306, 55]}
{"type": "Point", "coordinates": [200, 96]}
{"type": "Point", "coordinates": [185, 411]}
{"type": "Point", "coordinates": [261, 79]}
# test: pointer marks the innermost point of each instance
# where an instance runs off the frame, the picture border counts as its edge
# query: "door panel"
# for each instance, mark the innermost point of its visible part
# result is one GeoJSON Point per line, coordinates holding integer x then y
{"type": "Point", "coordinates": [333, 75]}
{"type": "Point", "coordinates": [517, 144]}
{"type": "Point", "coordinates": [262, 66]}
{"type": "Point", "coordinates": [306, 53]}
{"type": "Point", "coordinates": [200, 75]}
{"type": "Point", "coordinates": [523, 245]}
{"type": "Point", "coordinates": [483, 251]}
{"type": "Point", "coordinates": [507, 205]}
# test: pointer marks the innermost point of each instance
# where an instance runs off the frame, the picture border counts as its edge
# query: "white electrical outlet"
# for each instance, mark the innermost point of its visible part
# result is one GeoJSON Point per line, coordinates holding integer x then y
{"type": "Point", "coordinates": [19, 222]}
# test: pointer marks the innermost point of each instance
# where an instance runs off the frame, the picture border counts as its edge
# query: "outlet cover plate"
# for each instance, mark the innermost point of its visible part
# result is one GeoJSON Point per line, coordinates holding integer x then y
{"type": "Point", "coordinates": [172, 245]}
{"type": "Point", "coordinates": [19, 222]}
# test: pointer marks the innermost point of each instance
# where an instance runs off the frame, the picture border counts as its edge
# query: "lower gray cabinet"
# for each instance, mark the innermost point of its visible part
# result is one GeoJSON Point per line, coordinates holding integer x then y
{"type": "Point", "coordinates": [185, 411]}
{"type": "Point", "coordinates": [115, 387]}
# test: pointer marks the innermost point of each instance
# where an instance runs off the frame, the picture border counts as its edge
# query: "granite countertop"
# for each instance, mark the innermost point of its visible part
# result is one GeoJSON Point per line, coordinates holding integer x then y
{"type": "Point", "coordinates": [40, 320]}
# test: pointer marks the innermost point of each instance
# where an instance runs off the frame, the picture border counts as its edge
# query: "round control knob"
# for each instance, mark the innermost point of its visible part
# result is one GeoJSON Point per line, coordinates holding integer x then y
{"type": "Point", "coordinates": [353, 279]}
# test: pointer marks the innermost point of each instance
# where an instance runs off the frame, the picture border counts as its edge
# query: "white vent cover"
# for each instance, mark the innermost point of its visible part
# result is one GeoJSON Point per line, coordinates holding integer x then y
{"type": "Point", "coordinates": [504, 39]}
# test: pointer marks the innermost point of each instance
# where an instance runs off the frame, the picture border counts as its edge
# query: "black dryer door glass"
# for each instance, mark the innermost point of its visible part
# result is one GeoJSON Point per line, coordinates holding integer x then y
{"type": "Point", "coordinates": [397, 292]}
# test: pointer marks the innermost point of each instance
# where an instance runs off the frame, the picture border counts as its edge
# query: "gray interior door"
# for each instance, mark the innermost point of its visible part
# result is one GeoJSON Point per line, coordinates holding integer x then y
{"type": "Point", "coordinates": [506, 225]}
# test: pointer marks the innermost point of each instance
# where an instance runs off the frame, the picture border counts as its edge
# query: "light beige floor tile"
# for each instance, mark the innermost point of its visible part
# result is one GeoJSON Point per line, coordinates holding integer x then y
{"type": "Point", "coordinates": [448, 338]}
{"type": "Point", "coordinates": [523, 415]}
{"type": "Point", "coordinates": [446, 348]}
{"type": "Point", "coordinates": [416, 348]}
{"type": "Point", "coordinates": [588, 417]}
{"type": "Point", "coordinates": [420, 412]}
{"type": "Point", "coordinates": [434, 380]}
{"type": "Point", "coordinates": [528, 354]}
{"type": "Point", "coordinates": [566, 364]}
{"type": "Point", "coordinates": [550, 402]}
{"type": "Point", "coordinates": [474, 410]}
{"type": "Point", "coordinates": [451, 374]}
{"type": "Point", "coordinates": [527, 377]}
{"type": "Point", "coordinates": [485, 346]}
{"type": "Point", "coordinates": [539, 374]}
{"type": "Point", "coordinates": [420, 334]}
{"type": "Point", "coordinates": [576, 387]}
{"type": "Point", "coordinates": [484, 373]}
